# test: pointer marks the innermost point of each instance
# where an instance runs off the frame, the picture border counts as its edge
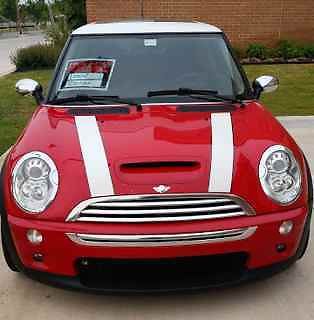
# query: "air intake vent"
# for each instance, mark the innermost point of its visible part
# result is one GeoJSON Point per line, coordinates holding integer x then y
{"type": "Point", "coordinates": [161, 166]}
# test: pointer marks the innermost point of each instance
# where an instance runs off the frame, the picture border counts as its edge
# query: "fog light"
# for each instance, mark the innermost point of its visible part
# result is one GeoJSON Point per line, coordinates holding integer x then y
{"type": "Point", "coordinates": [38, 257]}
{"type": "Point", "coordinates": [84, 262]}
{"type": "Point", "coordinates": [286, 227]}
{"type": "Point", "coordinates": [281, 247]}
{"type": "Point", "coordinates": [34, 237]}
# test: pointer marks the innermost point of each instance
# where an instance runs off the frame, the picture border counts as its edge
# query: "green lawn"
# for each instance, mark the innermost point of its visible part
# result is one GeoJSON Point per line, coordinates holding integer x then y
{"type": "Point", "coordinates": [294, 97]}
{"type": "Point", "coordinates": [15, 110]}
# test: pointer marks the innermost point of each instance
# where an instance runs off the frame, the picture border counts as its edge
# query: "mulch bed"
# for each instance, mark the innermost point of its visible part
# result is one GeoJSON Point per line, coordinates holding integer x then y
{"type": "Point", "coordinates": [247, 61]}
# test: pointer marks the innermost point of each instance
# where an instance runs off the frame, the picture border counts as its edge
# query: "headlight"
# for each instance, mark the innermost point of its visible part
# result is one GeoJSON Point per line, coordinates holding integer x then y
{"type": "Point", "coordinates": [34, 182]}
{"type": "Point", "coordinates": [280, 175]}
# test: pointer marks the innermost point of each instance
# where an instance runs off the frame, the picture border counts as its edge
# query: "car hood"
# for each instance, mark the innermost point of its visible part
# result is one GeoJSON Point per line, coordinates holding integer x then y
{"type": "Point", "coordinates": [213, 149]}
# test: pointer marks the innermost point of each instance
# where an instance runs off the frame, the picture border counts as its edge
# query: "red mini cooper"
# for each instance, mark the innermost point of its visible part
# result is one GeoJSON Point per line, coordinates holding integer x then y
{"type": "Point", "coordinates": [151, 165]}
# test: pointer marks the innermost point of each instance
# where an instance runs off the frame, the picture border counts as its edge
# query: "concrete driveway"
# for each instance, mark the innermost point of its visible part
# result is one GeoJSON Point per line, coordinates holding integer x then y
{"type": "Point", "coordinates": [289, 295]}
{"type": "Point", "coordinates": [9, 42]}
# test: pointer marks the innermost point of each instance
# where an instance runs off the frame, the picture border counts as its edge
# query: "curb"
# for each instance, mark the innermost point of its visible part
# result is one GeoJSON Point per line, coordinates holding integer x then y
{"type": "Point", "coordinates": [3, 156]}
{"type": "Point", "coordinates": [297, 122]}
{"type": "Point", "coordinates": [295, 118]}
{"type": "Point", "coordinates": [5, 73]}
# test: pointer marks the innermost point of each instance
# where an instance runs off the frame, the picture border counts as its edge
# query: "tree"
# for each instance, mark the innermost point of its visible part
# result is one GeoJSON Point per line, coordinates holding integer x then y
{"type": "Point", "coordinates": [35, 10]}
{"type": "Point", "coordinates": [8, 9]}
{"type": "Point", "coordinates": [73, 10]}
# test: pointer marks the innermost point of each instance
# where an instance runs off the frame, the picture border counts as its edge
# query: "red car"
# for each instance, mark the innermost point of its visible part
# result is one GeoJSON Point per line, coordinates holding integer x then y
{"type": "Point", "coordinates": [151, 165]}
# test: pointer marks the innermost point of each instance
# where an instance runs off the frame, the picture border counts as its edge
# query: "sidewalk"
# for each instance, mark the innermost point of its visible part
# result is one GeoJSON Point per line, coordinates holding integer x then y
{"type": "Point", "coordinates": [2, 157]}
{"type": "Point", "coordinates": [9, 42]}
{"type": "Point", "coordinates": [302, 130]}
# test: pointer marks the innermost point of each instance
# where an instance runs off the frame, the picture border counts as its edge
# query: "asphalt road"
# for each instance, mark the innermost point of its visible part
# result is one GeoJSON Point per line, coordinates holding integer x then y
{"type": "Point", "coordinates": [289, 295]}
{"type": "Point", "coordinates": [9, 42]}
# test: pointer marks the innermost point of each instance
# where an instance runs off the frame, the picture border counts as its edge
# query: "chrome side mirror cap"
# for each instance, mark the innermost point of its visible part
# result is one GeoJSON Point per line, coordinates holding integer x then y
{"type": "Point", "coordinates": [29, 87]}
{"type": "Point", "coordinates": [265, 84]}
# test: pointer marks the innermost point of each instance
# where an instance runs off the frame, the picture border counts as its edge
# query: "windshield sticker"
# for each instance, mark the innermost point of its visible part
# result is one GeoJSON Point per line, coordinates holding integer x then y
{"type": "Point", "coordinates": [150, 42]}
{"type": "Point", "coordinates": [88, 74]}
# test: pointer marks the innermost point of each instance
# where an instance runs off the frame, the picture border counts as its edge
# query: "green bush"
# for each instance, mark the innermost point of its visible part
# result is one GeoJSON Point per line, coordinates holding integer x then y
{"type": "Point", "coordinates": [308, 51]}
{"type": "Point", "coordinates": [58, 33]}
{"type": "Point", "coordinates": [285, 49]}
{"type": "Point", "coordinates": [273, 53]}
{"type": "Point", "coordinates": [289, 50]}
{"type": "Point", "coordinates": [36, 57]}
{"type": "Point", "coordinates": [42, 56]}
{"type": "Point", "coordinates": [239, 53]}
{"type": "Point", "coordinates": [256, 50]}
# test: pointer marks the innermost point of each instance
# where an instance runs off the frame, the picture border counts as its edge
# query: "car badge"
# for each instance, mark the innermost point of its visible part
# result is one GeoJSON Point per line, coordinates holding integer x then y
{"type": "Point", "coordinates": [161, 189]}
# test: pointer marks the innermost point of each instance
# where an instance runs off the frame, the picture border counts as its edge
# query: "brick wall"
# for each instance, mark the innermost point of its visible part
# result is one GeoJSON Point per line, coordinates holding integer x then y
{"type": "Point", "coordinates": [244, 21]}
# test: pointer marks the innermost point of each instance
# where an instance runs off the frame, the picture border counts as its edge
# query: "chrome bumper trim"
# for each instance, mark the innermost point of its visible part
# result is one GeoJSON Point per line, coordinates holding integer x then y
{"type": "Point", "coordinates": [161, 240]}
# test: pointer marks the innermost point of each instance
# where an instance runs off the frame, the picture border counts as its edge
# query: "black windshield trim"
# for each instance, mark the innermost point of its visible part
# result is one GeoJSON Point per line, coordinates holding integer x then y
{"type": "Point", "coordinates": [88, 111]}
{"type": "Point", "coordinates": [206, 108]}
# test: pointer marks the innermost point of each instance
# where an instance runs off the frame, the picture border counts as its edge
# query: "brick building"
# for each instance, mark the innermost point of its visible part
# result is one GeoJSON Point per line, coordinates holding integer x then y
{"type": "Point", "coordinates": [245, 21]}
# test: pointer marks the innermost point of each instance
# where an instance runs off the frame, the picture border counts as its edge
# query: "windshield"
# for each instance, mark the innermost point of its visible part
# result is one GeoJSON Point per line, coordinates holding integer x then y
{"type": "Point", "coordinates": [131, 66]}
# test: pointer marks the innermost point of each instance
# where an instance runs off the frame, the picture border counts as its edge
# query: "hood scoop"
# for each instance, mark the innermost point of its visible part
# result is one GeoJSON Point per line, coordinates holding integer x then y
{"type": "Point", "coordinates": [160, 167]}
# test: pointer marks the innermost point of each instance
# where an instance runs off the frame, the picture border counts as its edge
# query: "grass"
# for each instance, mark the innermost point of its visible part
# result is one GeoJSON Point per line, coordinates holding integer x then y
{"type": "Point", "coordinates": [14, 109]}
{"type": "Point", "coordinates": [294, 97]}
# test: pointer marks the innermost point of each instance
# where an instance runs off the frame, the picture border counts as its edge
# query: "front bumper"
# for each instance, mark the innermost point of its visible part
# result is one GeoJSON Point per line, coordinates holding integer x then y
{"type": "Point", "coordinates": [158, 285]}
{"type": "Point", "coordinates": [61, 255]}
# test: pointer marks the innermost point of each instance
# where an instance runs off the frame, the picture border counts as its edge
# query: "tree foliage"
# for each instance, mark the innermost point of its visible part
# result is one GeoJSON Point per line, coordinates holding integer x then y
{"type": "Point", "coordinates": [35, 10]}
{"type": "Point", "coordinates": [8, 9]}
{"type": "Point", "coordinates": [73, 10]}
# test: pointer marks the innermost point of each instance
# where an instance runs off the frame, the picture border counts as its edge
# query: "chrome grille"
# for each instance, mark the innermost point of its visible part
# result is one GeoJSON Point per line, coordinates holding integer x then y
{"type": "Point", "coordinates": [159, 240]}
{"type": "Point", "coordinates": [159, 208]}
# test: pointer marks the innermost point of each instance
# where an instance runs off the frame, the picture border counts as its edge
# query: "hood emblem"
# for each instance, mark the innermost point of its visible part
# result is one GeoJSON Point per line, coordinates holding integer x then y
{"type": "Point", "coordinates": [162, 188]}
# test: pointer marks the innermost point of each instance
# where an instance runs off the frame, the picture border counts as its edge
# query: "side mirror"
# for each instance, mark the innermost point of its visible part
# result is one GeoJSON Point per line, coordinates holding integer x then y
{"type": "Point", "coordinates": [29, 87]}
{"type": "Point", "coordinates": [265, 84]}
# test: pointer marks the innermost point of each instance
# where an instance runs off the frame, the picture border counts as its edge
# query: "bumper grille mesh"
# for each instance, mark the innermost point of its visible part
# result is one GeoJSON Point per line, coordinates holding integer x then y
{"type": "Point", "coordinates": [169, 274]}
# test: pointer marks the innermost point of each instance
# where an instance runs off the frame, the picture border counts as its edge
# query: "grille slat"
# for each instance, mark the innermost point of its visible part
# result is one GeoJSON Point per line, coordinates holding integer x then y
{"type": "Point", "coordinates": [159, 208]}
{"type": "Point", "coordinates": [160, 219]}
{"type": "Point", "coordinates": [167, 203]}
{"type": "Point", "coordinates": [159, 211]}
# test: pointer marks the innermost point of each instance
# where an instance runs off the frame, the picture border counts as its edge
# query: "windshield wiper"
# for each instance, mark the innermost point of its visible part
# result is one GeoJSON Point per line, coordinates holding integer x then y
{"type": "Point", "coordinates": [197, 94]}
{"type": "Point", "coordinates": [94, 100]}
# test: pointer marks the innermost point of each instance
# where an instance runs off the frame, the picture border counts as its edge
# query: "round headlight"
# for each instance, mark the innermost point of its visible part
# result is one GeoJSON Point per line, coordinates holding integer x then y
{"type": "Point", "coordinates": [35, 182]}
{"type": "Point", "coordinates": [280, 175]}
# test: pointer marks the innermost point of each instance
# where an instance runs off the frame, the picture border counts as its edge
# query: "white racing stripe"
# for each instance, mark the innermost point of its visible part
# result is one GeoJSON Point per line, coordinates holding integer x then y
{"type": "Point", "coordinates": [222, 153]}
{"type": "Point", "coordinates": [94, 155]}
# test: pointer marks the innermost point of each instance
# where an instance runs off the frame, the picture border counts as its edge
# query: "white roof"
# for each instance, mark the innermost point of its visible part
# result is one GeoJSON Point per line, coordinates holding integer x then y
{"type": "Point", "coordinates": [143, 27]}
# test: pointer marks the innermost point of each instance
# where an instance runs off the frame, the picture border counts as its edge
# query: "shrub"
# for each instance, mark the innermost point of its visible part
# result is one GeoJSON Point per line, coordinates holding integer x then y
{"type": "Point", "coordinates": [36, 57]}
{"type": "Point", "coordinates": [273, 53]}
{"type": "Point", "coordinates": [257, 50]}
{"type": "Point", "coordinates": [57, 34]}
{"type": "Point", "coordinates": [43, 55]}
{"type": "Point", "coordinates": [239, 53]}
{"type": "Point", "coordinates": [289, 50]}
{"type": "Point", "coordinates": [308, 51]}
